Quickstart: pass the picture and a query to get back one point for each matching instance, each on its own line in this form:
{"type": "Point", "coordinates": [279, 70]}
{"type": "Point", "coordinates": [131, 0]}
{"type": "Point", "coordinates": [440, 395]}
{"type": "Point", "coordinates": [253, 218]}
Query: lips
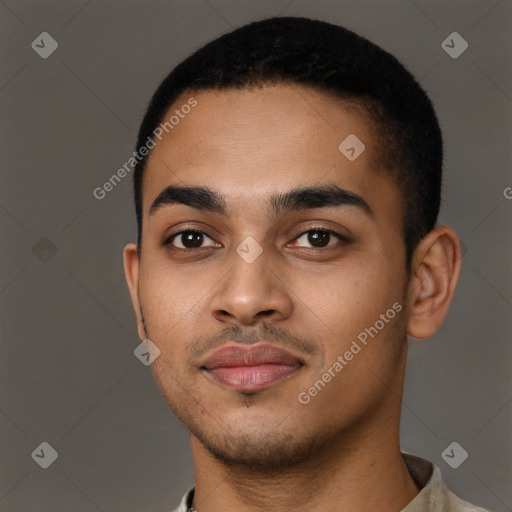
{"type": "Point", "coordinates": [250, 368]}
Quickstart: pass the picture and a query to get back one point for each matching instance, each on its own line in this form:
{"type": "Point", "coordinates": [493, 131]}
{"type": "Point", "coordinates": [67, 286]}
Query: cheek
{"type": "Point", "coordinates": [169, 300]}
{"type": "Point", "coordinates": [346, 299]}
{"type": "Point", "coordinates": [351, 313]}
{"type": "Point", "coordinates": [363, 354]}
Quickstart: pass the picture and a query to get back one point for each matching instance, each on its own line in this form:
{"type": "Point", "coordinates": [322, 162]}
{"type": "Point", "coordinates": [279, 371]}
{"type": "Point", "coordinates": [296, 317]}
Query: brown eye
{"type": "Point", "coordinates": [318, 238]}
{"type": "Point", "coordinates": [189, 239]}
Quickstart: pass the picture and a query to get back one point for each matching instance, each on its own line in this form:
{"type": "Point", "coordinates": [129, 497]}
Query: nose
{"type": "Point", "coordinates": [252, 291]}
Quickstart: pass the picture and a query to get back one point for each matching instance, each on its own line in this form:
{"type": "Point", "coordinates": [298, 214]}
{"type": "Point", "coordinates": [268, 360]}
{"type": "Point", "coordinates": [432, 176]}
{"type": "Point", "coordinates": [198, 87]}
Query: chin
{"type": "Point", "coordinates": [261, 452]}
{"type": "Point", "coordinates": [255, 442]}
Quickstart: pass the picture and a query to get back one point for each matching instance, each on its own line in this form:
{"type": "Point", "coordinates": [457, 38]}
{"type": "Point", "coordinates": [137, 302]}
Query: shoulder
{"type": "Point", "coordinates": [434, 495]}
{"type": "Point", "coordinates": [459, 505]}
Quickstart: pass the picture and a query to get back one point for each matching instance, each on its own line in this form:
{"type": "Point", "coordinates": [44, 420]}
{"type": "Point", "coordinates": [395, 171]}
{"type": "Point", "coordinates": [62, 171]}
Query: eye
{"type": "Point", "coordinates": [320, 237]}
{"type": "Point", "coordinates": [188, 239]}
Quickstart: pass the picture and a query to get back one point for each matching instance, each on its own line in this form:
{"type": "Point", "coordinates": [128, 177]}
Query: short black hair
{"type": "Point", "coordinates": [335, 60]}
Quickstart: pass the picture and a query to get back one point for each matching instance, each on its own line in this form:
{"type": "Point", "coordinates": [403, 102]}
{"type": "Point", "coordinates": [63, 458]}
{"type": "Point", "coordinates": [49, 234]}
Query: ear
{"type": "Point", "coordinates": [436, 266]}
{"type": "Point", "coordinates": [131, 270]}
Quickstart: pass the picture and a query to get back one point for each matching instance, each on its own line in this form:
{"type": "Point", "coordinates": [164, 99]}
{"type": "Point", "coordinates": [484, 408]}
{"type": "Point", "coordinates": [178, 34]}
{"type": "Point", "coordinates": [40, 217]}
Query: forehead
{"type": "Point", "coordinates": [252, 143]}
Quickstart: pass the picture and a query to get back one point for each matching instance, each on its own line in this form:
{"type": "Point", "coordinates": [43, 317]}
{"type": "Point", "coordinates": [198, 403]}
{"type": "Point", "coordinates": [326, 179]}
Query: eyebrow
{"type": "Point", "coordinates": [304, 198]}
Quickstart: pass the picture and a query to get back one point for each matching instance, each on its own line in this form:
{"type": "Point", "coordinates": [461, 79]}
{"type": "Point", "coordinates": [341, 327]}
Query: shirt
{"type": "Point", "coordinates": [433, 497]}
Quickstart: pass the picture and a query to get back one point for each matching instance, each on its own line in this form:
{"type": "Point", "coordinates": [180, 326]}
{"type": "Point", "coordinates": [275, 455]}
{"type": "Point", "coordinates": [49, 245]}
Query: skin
{"type": "Point", "coordinates": [266, 450]}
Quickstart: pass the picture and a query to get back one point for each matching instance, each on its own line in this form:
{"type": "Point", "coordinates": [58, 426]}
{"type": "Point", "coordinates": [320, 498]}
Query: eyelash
{"type": "Point", "coordinates": [343, 239]}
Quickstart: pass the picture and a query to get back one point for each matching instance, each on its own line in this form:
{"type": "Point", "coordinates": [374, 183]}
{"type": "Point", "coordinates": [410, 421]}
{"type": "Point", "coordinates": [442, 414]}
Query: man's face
{"type": "Point", "coordinates": [291, 285]}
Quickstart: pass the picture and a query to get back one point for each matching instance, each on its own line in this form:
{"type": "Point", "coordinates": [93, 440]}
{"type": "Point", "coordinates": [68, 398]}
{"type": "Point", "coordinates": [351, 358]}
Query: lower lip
{"type": "Point", "coordinates": [252, 378]}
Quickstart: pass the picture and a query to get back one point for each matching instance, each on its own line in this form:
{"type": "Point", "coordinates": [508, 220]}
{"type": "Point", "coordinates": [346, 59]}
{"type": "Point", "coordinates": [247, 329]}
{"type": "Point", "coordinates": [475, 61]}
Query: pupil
{"type": "Point", "coordinates": [321, 238]}
{"type": "Point", "coordinates": [192, 239]}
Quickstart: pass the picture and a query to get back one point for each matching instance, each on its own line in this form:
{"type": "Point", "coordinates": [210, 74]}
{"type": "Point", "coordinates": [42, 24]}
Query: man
{"type": "Point", "coordinates": [286, 197]}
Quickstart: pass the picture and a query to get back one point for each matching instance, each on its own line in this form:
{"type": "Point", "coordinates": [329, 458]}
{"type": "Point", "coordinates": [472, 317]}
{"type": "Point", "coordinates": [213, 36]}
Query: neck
{"type": "Point", "coordinates": [357, 471]}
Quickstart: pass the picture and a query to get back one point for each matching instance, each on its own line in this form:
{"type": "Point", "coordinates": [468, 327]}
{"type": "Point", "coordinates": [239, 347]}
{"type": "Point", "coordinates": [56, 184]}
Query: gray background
{"type": "Point", "coordinates": [68, 373]}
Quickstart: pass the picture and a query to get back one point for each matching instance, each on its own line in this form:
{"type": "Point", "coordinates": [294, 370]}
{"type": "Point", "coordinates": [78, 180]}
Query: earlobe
{"type": "Point", "coordinates": [436, 269]}
{"type": "Point", "coordinates": [131, 270]}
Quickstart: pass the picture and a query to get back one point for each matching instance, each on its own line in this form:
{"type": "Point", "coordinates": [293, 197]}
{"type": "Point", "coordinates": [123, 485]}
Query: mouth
{"type": "Point", "coordinates": [250, 368]}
